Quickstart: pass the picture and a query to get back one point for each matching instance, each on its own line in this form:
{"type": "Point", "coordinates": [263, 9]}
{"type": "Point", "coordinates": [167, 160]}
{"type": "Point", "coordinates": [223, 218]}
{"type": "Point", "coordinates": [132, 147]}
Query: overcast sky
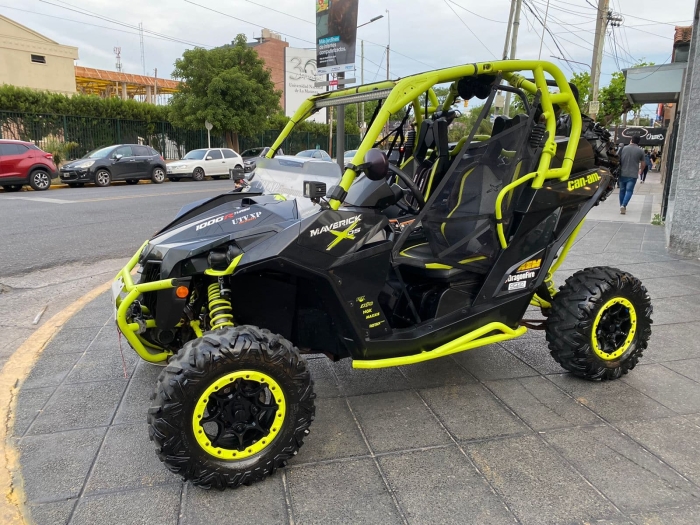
{"type": "Point", "coordinates": [427, 35]}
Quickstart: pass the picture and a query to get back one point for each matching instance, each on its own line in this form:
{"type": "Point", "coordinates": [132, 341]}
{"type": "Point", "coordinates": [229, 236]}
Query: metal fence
{"type": "Point", "coordinates": [85, 134]}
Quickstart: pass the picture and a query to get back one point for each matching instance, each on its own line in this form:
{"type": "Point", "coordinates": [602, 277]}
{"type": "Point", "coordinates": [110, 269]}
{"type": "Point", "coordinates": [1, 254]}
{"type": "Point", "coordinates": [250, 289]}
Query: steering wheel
{"type": "Point", "coordinates": [415, 191]}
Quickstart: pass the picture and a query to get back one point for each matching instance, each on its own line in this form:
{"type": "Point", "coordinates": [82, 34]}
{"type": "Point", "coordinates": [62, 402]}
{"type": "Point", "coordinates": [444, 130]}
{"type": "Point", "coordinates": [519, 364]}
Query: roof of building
{"type": "Point", "coordinates": [683, 35]}
{"type": "Point", "coordinates": [164, 85]}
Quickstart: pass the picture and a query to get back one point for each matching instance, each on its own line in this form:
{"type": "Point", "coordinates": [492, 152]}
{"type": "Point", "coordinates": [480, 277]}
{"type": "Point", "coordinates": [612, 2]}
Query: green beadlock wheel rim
{"type": "Point", "coordinates": [239, 415]}
{"type": "Point", "coordinates": [614, 328]}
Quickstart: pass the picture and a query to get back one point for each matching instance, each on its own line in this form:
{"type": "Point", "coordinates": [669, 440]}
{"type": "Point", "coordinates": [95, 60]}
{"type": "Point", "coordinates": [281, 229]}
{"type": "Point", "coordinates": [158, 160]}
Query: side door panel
{"type": "Point", "coordinates": [216, 165]}
{"type": "Point", "coordinates": [126, 167]}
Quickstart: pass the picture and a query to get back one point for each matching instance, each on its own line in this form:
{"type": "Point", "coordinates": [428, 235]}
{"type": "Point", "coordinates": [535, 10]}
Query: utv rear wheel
{"type": "Point", "coordinates": [600, 323]}
{"type": "Point", "coordinates": [231, 407]}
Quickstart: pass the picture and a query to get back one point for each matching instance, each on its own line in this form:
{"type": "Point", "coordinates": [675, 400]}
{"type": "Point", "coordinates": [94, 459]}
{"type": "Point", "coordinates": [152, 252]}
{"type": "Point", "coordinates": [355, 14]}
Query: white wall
{"type": "Point", "coordinates": [299, 78]}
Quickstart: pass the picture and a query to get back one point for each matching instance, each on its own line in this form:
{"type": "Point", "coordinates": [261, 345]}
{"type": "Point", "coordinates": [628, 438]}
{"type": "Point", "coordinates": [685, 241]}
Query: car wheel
{"type": "Point", "coordinates": [157, 175]}
{"type": "Point", "coordinates": [103, 178]}
{"type": "Point", "coordinates": [174, 179]}
{"type": "Point", "coordinates": [198, 174]}
{"type": "Point", "coordinates": [40, 180]}
{"type": "Point", "coordinates": [12, 188]}
{"type": "Point", "coordinates": [132, 181]}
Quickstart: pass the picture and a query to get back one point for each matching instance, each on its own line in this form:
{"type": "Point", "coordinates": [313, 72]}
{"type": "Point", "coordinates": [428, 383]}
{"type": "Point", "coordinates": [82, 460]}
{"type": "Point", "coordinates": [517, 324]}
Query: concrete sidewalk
{"type": "Point", "coordinates": [496, 435]}
{"type": "Point", "coordinates": [646, 201]}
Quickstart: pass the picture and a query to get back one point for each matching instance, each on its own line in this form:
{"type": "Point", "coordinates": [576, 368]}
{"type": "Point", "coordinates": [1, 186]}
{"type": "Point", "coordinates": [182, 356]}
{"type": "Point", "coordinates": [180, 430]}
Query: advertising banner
{"type": "Point", "coordinates": [299, 78]}
{"type": "Point", "coordinates": [336, 32]}
{"type": "Point", "coordinates": [647, 136]}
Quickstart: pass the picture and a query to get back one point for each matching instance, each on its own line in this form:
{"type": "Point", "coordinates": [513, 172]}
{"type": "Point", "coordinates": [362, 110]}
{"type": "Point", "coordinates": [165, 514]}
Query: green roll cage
{"type": "Point", "coordinates": [409, 90]}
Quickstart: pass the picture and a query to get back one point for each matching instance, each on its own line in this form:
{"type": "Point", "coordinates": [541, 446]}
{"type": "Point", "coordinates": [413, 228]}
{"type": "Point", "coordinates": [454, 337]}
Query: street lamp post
{"type": "Point", "coordinates": [340, 122]}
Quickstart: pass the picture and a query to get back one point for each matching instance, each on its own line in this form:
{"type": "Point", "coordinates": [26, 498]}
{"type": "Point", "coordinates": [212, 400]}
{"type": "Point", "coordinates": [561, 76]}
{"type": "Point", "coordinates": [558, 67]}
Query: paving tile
{"type": "Point", "coordinates": [471, 412]}
{"type": "Point", "coordinates": [672, 342]}
{"type": "Point", "coordinates": [259, 503]}
{"type": "Point", "coordinates": [57, 513]}
{"type": "Point", "coordinates": [70, 341]}
{"type": "Point", "coordinates": [355, 381]}
{"type": "Point", "coordinates": [397, 421]}
{"type": "Point", "coordinates": [541, 404]}
{"type": "Point", "coordinates": [673, 310]}
{"type": "Point", "coordinates": [29, 404]}
{"type": "Point", "coordinates": [50, 370]}
{"type": "Point", "coordinates": [689, 368]}
{"type": "Point", "coordinates": [682, 516]}
{"type": "Point", "coordinates": [432, 487]}
{"type": "Point", "coordinates": [325, 384]}
{"type": "Point", "coordinates": [137, 399]}
{"type": "Point", "coordinates": [79, 406]}
{"type": "Point", "coordinates": [127, 460]}
{"type": "Point", "coordinates": [538, 486]}
{"type": "Point", "coordinates": [334, 434]}
{"type": "Point", "coordinates": [90, 318]}
{"type": "Point", "coordinates": [669, 388]}
{"type": "Point", "coordinates": [628, 475]}
{"type": "Point", "coordinates": [108, 341]}
{"type": "Point", "coordinates": [436, 372]}
{"type": "Point", "coordinates": [675, 440]}
{"type": "Point", "coordinates": [613, 400]}
{"type": "Point", "coordinates": [535, 352]}
{"type": "Point", "coordinates": [663, 287]}
{"type": "Point", "coordinates": [54, 466]}
{"type": "Point", "coordinates": [318, 496]}
{"type": "Point", "coordinates": [150, 506]}
{"type": "Point", "coordinates": [102, 366]}
{"type": "Point", "coordinates": [493, 362]}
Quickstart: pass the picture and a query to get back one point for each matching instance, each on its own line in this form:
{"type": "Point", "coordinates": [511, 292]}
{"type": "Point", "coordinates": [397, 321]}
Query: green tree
{"type": "Point", "coordinates": [228, 86]}
{"type": "Point", "coordinates": [613, 101]}
{"type": "Point", "coordinates": [582, 81]}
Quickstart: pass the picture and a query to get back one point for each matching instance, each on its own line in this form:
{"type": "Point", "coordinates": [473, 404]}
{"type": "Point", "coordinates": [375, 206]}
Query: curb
{"type": "Point", "coordinates": [12, 376]}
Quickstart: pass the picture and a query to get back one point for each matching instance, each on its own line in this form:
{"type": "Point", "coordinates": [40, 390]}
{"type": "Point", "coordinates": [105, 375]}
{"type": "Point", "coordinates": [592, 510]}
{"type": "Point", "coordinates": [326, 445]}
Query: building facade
{"type": "Point", "coordinates": [29, 59]}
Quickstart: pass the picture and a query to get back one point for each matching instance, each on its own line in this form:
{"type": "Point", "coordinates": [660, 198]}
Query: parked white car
{"type": "Point", "coordinates": [200, 163]}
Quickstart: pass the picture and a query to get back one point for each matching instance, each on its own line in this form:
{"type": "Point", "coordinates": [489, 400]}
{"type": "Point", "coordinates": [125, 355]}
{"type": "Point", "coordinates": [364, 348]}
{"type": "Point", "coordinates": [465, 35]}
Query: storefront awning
{"type": "Point", "coordinates": [654, 84]}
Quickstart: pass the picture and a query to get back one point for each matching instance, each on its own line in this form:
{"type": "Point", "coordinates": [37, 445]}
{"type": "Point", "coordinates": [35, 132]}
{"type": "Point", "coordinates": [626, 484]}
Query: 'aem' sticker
{"type": "Point", "coordinates": [583, 181]}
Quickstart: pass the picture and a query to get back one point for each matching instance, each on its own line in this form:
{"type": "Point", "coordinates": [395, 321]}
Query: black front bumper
{"type": "Point", "coordinates": [76, 175]}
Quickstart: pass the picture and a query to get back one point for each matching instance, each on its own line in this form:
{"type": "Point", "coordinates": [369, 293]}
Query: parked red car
{"type": "Point", "coordinates": [23, 163]}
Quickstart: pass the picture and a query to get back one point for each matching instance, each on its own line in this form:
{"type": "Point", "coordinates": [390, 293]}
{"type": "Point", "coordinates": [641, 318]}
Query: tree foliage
{"type": "Point", "coordinates": [582, 81]}
{"type": "Point", "coordinates": [613, 101]}
{"type": "Point", "coordinates": [228, 86]}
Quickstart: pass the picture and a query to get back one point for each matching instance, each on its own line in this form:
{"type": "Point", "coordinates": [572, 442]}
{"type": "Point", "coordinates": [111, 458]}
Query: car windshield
{"type": "Point", "coordinates": [252, 152]}
{"type": "Point", "coordinates": [350, 154]}
{"type": "Point", "coordinates": [307, 153]}
{"type": "Point", "coordinates": [195, 154]}
{"type": "Point", "coordinates": [100, 153]}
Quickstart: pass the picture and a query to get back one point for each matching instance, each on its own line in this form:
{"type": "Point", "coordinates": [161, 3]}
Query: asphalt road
{"type": "Point", "coordinates": [52, 228]}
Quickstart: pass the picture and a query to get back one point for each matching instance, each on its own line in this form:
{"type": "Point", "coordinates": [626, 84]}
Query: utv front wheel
{"type": "Point", "coordinates": [231, 407]}
{"type": "Point", "coordinates": [600, 323]}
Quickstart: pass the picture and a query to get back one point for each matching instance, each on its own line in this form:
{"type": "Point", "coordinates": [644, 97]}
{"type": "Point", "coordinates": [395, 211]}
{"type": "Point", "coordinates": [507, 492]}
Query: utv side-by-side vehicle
{"type": "Point", "coordinates": [386, 264]}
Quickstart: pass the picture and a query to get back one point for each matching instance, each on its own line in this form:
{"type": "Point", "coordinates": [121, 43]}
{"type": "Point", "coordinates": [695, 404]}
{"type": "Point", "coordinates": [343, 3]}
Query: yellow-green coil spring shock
{"type": "Point", "coordinates": [220, 311]}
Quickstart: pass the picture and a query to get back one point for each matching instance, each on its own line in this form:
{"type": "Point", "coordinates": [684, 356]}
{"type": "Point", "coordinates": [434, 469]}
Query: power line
{"type": "Point", "coordinates": [477, 14]}
{"type": "Point", "coordinates": [469, 29]}
{"type": "Point", "coordinates": [268, 8]}
{"type": "Point", "coordinates": [535, 13]}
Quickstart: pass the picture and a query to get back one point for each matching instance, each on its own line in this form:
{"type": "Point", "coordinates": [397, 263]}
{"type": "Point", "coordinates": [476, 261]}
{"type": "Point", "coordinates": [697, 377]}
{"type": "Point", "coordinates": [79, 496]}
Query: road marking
{"type": "Point", "coordinates": [42, 199]}
{"type": "Point", "coordinates": [12, 376]}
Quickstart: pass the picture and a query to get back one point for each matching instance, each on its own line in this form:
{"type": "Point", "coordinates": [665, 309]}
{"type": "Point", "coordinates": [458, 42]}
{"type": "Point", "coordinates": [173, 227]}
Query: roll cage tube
{"type": "Point", "coordinates": [411, 89]}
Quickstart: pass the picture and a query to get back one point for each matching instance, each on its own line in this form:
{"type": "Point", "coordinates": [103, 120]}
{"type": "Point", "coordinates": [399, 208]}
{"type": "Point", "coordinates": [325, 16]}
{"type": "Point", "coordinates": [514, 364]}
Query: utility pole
{"type": "Point", "coordinates": [362, 83]}
{"type": "Point", "coordinates": [513, 47]}
{"type": "Point", "coordinates": [388, 45]}
{"type": "Point", "coordinates": [143, 54]}
{"type": "Point", "coordinates": [601, 26]}
{"type": "Point", "coordinates": [340, 129]}
{"type": "Point", "coordinates": [544, 28]}
{"type": "Point", "coordinates": [506, 44]}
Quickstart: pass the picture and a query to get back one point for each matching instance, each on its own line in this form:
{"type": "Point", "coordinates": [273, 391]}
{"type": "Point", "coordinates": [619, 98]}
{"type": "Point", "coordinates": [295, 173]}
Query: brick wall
{"type": "Point", "coordinates": [272, 52]}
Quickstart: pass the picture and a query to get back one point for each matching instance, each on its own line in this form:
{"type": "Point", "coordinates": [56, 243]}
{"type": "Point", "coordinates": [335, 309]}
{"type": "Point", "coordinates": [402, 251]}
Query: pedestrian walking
{"type": "Point", "coordinates": [647, 167]}
{"type": "Point", "coordinates": [632, 165]}
{"type": "Point", "coordinates": [653, 158]}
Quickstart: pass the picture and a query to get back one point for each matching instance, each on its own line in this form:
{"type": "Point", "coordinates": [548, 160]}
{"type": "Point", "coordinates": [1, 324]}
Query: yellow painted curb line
{"type": "Point", "coordinates": [12, 376]}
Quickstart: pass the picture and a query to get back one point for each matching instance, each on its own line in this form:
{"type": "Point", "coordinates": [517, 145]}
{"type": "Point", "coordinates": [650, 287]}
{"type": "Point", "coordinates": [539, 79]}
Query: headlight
{"type": "Point", "coordinates": [84, 164]}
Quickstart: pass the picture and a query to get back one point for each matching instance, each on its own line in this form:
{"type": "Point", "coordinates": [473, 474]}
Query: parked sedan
{"type": "Point", "coordinates": [315, 154]}
{"type": "Point", "coordinates": [23, 163]}
{"type": "Point", "coordinates": [200, 163]}
{"type": "Point", "coordinates": [251, 155]}
{"type": "Point", "coordinates": [127, 162]}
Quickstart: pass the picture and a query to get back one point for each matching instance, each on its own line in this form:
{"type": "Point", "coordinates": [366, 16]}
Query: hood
{"type": "Point", "coordinates": [243, 219]}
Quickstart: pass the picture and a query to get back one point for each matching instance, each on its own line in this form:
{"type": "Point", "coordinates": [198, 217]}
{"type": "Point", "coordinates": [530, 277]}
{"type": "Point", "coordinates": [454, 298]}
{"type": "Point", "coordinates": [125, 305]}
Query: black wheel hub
{"type": "Point", "coordinates": [239, 415]}
{"type": "Point", "coordinates": [613, 327]}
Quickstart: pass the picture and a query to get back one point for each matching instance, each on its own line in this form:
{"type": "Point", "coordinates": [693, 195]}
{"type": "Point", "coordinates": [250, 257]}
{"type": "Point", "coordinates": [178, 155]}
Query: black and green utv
{"type": "Point", "coordinates": [387, 264]}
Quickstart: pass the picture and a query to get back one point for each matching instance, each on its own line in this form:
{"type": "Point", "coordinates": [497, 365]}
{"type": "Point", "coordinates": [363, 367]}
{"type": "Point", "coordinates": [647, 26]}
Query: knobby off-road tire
{"type": "Point", "coordinates": [600, 323]}
{"type": "Point", "coordinates": [189, 380]}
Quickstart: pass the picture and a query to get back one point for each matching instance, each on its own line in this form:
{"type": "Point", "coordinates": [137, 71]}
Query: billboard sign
{"type": "Point", "coordinates": [299, 79]}
{"type": "Point", "coordinates": [336, 35]}
{"type": "Point", "coordinates": [647, 136]}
